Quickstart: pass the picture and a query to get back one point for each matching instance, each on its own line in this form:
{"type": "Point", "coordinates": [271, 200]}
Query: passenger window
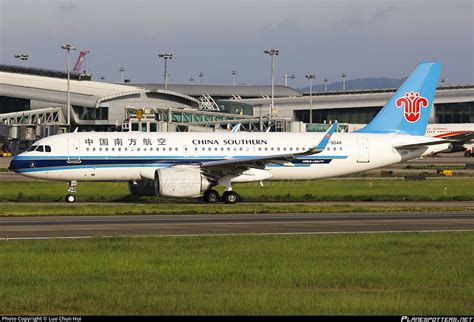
{"type": "Point", "coordinates": [39, 148]}
{"type": "Point", "coordinates": [87, 149]}
{"type": "Point", "coordinates": [93, 149]}
{"type": "Point", "coordinates": [176, 149]}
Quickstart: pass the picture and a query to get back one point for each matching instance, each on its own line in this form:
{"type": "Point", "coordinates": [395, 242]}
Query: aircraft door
{"type": "Point", "coordinates": [363, 150]}
{"type": "Point", "coordinates": [74, 155]}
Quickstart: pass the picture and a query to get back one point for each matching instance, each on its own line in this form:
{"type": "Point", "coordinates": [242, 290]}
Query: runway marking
{"type": "Point", "coordinates": [242, 234]}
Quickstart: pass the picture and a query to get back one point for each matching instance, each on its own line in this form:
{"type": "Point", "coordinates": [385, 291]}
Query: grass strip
{"type": "Point", "coordinates": [278, 191]}
{"type": "Point", "coordinates": [351, 274]}
{"type": "Point", "coordinates": [199, 209]}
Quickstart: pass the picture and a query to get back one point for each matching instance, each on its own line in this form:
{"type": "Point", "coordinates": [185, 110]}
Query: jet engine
{"type": "Point", "coordinates": [180, 182]}
{"type": "Point", "coordinates": [171, 182]}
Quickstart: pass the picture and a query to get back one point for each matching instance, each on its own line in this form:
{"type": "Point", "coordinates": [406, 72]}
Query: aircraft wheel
{"type": "Point", "coordinates": [70, 198]}
{"type": "Point", "coordinates": [229, 197]}
{"type": "Point", "coordinates": [211, 196]}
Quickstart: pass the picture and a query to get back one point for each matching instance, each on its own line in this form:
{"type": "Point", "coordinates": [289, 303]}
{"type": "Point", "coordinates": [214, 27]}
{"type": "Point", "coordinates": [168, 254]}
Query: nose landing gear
{"type": "Point", "coordinates": [71, 197]}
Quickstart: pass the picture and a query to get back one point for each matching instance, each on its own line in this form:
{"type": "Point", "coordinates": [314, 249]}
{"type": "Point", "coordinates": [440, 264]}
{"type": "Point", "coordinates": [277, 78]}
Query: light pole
{"type": "Point", "coordinates": [233, 77]}
{"type": "Point", "coordinates": [343, 82]}
{"type": "Point", "coordinates": [310, 77]}
{"type": "Point", "coordinates": [286, 79]}
{"type": "Point", "coordinates": [68, 48]}
{"type": "Point", "coordinates": [22, 58]}
{"type": "Point", "coordinates": [272, 52]}
{"type": "Point", "coordinates": [166, 56]}
{"type": "Point", "coordinates": [292, 77]}
{"type": "Point", "coordinates": [200, 78]}
{"type": "Point", "coordinates": [326, 85]}
{"type": "Point", "coordinates": [121, 70]}
{"type": "Point", "coordinates": [191, 80]}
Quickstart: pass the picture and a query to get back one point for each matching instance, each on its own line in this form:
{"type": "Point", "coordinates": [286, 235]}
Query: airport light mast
{"type": "Point", "coordinates": [310, 77]}
{"type": "Point", "coordinates": [233, 77]}
{"type": "Point", "coordinates": [121, 70]}
{"type": "Point", "coordinates": [68, 49]}
{"type": "Point", "coordinates": [272, 52]}
{"type": "Point", "coordinates": [326, 85]}
{"type": "Point", "coordinates": [200, 78]}
{"type": "Point", "coordinates": [166, 56]}
{"type": "Point", "coordinates": [22, 58]}
{"type": "Point", "coordinates": [343, 82]}
{"type": "Point", "coordinates": [292, 77]}
{"type": "Point", "coordinates": [286, 79]}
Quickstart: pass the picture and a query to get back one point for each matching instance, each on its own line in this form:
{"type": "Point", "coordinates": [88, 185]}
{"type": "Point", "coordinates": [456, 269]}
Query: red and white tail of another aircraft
{"type": "Point", "coordinates": [455, 131]}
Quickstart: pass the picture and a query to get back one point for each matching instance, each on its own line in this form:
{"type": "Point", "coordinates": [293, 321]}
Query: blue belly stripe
{"type": "Point", "coordinates": [35, 164]}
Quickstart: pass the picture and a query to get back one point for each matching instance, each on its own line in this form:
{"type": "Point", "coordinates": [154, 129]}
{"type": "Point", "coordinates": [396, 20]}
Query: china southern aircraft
{"type": "Point", "coordinates": [191, 164]}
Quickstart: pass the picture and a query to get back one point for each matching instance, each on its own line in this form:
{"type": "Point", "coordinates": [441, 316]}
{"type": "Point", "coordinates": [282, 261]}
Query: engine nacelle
{"type": "Point", "coordinates": [180, 182]}
{"type": "Point", "coordinates": [142, 188]}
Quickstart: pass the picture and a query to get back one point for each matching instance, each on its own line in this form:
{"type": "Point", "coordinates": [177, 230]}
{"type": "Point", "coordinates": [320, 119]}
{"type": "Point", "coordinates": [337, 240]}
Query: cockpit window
{"type": "Point", "coordinates": [31, 148]}
{"type": "Point", "coordinates": [39, 148]}
{"type": "Point", "coordinates": [47, 148]}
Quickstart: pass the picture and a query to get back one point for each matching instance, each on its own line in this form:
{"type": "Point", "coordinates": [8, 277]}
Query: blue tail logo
{"type": "Point", "coordinates": [408, 111]}
{"type": "Point", "coordinates": [412, 102]}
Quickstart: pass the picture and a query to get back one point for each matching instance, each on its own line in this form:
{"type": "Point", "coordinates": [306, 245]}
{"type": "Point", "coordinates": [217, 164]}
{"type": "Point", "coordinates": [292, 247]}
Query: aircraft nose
{"type": "Point", "coordinates": [14, 164]}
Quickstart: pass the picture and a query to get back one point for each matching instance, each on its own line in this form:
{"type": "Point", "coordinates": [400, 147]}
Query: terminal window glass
{"type": "Point", "coordinates": [454, 112]}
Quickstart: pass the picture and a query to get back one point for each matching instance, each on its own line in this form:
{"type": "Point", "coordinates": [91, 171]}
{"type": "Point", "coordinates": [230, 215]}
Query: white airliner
{"type": "Point", "coordinates": [191, 164]}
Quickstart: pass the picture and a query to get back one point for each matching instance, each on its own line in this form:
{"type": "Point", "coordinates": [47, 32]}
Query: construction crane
{"type": "Point", "coordinates": [82, 55]}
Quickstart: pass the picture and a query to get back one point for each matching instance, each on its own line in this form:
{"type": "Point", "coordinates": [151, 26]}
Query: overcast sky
{"type": "Point", "coordinates": [376, 38]}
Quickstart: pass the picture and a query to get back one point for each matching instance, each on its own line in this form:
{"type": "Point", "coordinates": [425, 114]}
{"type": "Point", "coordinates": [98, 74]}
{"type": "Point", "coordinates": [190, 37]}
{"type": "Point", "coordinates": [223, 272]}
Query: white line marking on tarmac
{"type": "Point", "coordinates": [241, 234]}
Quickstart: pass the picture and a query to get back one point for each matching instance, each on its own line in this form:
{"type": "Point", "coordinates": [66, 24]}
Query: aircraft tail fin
{"type": "Point", "coordinates": [408, 111]}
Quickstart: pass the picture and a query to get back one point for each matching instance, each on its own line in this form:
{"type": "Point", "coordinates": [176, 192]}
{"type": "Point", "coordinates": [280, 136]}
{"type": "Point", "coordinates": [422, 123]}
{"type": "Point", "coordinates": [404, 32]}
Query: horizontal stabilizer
{"type": "Point", "coordinates": [423, 144]}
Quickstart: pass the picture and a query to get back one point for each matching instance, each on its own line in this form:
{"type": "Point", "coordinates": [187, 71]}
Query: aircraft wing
{"type": "Point", "coordinates": [260, 161]}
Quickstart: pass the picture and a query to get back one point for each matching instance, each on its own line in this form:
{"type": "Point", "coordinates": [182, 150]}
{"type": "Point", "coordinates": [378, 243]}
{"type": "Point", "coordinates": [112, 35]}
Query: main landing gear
{"type": "Point", "coordinates": [229, 197]}
{"type": "Point", "coordinates": [71, 197]}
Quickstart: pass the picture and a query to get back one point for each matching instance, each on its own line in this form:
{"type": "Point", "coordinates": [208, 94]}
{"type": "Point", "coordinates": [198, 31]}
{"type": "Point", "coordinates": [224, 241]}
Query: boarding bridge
{"type": "Point", "coordinates": [50, 115]}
